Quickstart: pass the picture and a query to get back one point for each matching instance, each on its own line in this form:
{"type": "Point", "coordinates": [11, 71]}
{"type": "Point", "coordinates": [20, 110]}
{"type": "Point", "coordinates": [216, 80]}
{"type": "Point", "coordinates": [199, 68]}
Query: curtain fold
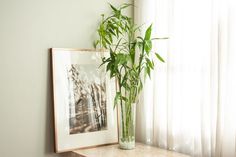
{"type": "Point", "coordinates": [189, 105]}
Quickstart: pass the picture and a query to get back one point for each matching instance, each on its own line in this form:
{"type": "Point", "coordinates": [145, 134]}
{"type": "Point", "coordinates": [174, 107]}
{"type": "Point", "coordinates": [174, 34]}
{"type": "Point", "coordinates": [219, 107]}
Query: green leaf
{"type": "Point", "coordinates": [140, 38]}
{"type": "Point", "coordinates": [104, 61]}
{"type": "Point", "coordinates": [122, 59]}
{"type": "Point", "coordinates": [104, 44]}
{"type": "Point", "coordinates": [110, 38]}
{"type": "Point", "coordinates": [117, 32]}
{"type": "Point", "coordinates": [107, 41]}
{"type": "Point", "coordinates": [125, 5]}
{"type": "Point", "coordinates": [117, 98]}
{"type": "Point", "coordinates": [112, 32]}
{"type": "Point", "coordinates": [160, 38]}
{"type": "Point", "coordinates": [95, 43]}
{"type": "Point", "coordinates": [124, 98]}
{"type": "Point", "coordinates": [149, 72]}
{"type": "Point", "coordinates": [148, 46]}
{"type": "Point", "coordinates": [140, 86]}
{"type": "Point", "coordinates": [148, 33]}
{"type": "Point", "coordinates": [132, 53]}
{"type": "Point", "coordinates": [126, 86]}
{"type": "Point", "coordinates": [124, 80]}
{"type": "Point", "coordinates": [159, 57]}
{"type": "Point", "coordinates": [137, 28]}
{"type": "Point", "coordinates": [140, 45]}
{"type": "Point", "coordinates": [118, 44]}
{"type": "Point", "coordinates": [113, 8]}
{"type": "Point", "coordinates": [150, 64]}
{"type": "Point", "coordinates": [112, 72]}
{"type": "Point", "coordinates": [109, 65]}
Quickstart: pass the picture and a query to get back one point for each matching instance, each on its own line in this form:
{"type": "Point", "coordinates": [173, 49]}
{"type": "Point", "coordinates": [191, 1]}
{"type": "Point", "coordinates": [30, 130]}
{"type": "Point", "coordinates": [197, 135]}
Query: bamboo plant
{"type": "Point", "coordinates": [129, 62]}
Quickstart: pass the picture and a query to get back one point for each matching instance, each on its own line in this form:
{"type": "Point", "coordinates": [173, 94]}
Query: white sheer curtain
{"type": "Point", "coordinates": [190, 104]}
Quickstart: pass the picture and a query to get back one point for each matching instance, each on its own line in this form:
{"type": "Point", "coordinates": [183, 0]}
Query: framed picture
{"type": "Point", "coordinates": [83, 100]}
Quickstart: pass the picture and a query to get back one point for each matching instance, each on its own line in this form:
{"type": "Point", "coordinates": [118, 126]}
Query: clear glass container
{"type": "Point", "coordinates": [127, 125]}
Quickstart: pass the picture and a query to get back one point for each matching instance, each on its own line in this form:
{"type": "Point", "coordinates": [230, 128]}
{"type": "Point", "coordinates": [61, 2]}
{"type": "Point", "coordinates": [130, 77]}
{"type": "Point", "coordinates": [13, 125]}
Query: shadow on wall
{"type": "Point", "coordinates": [49, 128]}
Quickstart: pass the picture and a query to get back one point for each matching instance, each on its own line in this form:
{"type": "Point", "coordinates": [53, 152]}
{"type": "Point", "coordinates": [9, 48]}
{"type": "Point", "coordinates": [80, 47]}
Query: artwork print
{"type": "Point", "coordinates": [87, 98]}
{"type": "Point", "coordinates": [83, 98]}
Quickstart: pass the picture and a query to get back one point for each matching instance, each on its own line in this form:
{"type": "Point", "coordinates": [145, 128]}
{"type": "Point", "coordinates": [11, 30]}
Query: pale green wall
{"type": "Point", "coordinates": [28, 28]}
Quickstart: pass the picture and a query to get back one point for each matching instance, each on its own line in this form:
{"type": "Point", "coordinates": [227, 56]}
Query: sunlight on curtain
{"type": "Point", "coordinates": [190, 103]}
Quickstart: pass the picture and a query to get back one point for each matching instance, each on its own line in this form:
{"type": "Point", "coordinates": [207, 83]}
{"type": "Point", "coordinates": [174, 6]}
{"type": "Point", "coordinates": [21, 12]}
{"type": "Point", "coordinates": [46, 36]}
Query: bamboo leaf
{"type": "Point", "coordinates": [140, 87]}
{"type": "Point", "coordinates": [140, 45]}
{"type": "Point", "coordinates": [95, 43]}
{"type": "Point", "coordinates": [148, 33]}
{"type": "Point", "coordinates": [159, 57]}
{"type": "Point", "coordinates": [132, 53]}
{"type": "Point", "coordinates": [104, 44]}
{"type": "Point", "coordinates": [160, 38]}
{"type": "Point", "coordinates": [124, 98]}
{"type": "Point", "coordinates": [149, 72]}
{"type": "Point", "coordinates": [107, 41]}
{"type": "Point", "coordinates": [149, 63]}
{"type": "Point", "coordinates": [110, 38]}
{"type": "Point", "coordinates": [112, 32]}
{"type": "Point", "coordinates": [125, 5]}
{"type": "Point", "coordinates": [108, 66]}
{"type": "Point", "coordinates": [148, 46]}
{"type": "Point", "coordinates": [140, 38]}
{"type": "Point", "coordinates": [117, 98]}
{"type": "Point", "coordinates": [113, 8]}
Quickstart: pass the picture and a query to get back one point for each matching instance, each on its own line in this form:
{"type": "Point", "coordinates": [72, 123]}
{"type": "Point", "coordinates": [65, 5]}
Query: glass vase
{"type": "Point", "coordinates": [127, 125]}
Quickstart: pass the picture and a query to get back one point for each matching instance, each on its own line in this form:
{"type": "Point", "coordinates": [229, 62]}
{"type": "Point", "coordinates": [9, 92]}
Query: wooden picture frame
{"type": "Point", "coordinates": [83, 97]}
